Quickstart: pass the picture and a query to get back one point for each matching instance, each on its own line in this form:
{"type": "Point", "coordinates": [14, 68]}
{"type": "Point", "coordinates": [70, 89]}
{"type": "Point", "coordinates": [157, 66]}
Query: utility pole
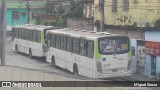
{"type": "Point", "coordinates": [28, 10]}
{"type": "Point", "coordinates": [3, 30]}
{"type": "Point", "coordinates": [101, 6]}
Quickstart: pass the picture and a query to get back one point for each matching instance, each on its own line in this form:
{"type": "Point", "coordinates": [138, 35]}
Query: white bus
{"type": "Point", "coordinates": [90, 54]}
{"type": "Point", "coordinates": [30, 39]}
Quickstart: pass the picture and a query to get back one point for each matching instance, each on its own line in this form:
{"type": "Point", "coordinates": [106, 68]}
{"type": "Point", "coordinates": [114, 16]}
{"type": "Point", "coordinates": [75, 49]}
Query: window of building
{"type": "Point", "coordinates": [114, 6]}
{"type": "Point", "coordinates": [15, 15]}
{"type": "Point", "coordinates": [125, 5]}
{"type": "Point", "coordinates": [135, 1]}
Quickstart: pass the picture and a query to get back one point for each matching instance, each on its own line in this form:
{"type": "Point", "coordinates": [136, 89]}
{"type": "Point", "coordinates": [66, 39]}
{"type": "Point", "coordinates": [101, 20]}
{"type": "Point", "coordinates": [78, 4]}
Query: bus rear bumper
{"type": "Point", "coordinates": [122, 74]}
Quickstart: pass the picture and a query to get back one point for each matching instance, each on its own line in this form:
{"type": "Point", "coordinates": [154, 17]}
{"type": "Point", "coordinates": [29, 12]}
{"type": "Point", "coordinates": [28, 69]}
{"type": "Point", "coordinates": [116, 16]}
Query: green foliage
{"type": "Point", "coordinates": [45, 23]}
{"type": "Point", "coordinates": [52, 23]}
{"type": "Point", "coordinates": [76, 10]}
{"type": "Point", "coordinates": [38, 21]}
{"type": "Point", "coordinates": [58, 23]}
{"type": "Point", "coordinates": [61, 10]}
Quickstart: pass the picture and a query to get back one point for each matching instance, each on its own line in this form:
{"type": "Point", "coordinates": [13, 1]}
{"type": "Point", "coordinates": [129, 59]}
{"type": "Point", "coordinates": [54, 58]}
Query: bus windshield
{"type": "Point", "coordinates": [111, 45]}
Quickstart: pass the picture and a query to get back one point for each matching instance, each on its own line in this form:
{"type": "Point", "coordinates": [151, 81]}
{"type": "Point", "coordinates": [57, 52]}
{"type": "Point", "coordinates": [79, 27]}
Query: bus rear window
{"type": "Point", "coordinates": [111, 45]}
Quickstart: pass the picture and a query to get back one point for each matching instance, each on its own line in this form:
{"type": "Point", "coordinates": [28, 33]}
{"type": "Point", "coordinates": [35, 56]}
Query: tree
{"type": "Point", "coordinates": [60, 10]}
{"type": "Point", "coordinates": [76, 9]}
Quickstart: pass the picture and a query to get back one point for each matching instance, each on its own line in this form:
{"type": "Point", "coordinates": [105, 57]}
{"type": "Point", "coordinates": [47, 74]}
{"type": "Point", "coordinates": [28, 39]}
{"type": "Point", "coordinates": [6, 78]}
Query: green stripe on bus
{"type": "Point", "coordinates": [130, 54]}
{"type": "Point", "coordinates": [42, 37]}
{"type": "Point", "coordinates": [130, 51]}
{"type": "Point", "coordinates": [97, 56]}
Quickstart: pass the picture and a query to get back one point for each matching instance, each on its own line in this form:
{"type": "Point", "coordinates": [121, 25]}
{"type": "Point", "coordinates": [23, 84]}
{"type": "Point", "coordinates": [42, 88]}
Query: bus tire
{"type": "Point", "coordinates": [30, 54]}
{"type": "Point", "coordinates": [54, 62]}
{"type": "Point", "coordinates": [75, 70]}
{"type": "Point", "coordinates": [16, 48]}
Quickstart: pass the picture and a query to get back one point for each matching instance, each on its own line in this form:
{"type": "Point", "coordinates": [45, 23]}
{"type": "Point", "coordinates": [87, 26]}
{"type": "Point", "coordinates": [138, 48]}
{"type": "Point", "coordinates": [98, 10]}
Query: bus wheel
{"type": "Point", "coordinates": [30, 54]}
{"type": "Point", "coordinates": [75, 70]}
{"type": "Point", "coordinates": [16, 48]}
{"type": "Point", "coordinates": [54, 62]}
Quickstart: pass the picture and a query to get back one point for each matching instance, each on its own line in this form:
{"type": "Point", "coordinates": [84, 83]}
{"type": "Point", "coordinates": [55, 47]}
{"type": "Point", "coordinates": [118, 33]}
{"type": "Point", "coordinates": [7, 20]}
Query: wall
{"type": "Point", "coordinates": [11, 22]}
{"type": "Point", "coordinates": [135, 34]}
{"type": "Point", "coordinates": [152, 35]}
{"type": "Point", "coordinates": [141, 13]}
{"type": "Point", "coordinates": [134, 55]}
{"type": "Point", "coordinates": [88, 10]}
{"type": "Point", "coordinates": [80, 24]}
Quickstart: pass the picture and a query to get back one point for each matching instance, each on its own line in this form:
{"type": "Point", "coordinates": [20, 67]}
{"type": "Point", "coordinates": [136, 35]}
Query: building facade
{"type": "Point", "coordinates": [137, 13]}
{"type": "Point", "coordinates": [17, 12]}
{"type": "Point", "coordinates": [140, 20]}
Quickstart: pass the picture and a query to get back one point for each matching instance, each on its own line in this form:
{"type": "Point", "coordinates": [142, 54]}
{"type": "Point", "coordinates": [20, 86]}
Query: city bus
{"type": "Point", "coordinates": [88, 53]}
{"type": "Point", "coordinates": [30, 39]}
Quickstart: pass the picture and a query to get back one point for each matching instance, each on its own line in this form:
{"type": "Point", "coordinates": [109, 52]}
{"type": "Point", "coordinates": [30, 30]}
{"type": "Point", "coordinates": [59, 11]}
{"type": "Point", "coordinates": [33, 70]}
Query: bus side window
{"type": "Point", "coordinates": [65, 43]}
{"type": "Point", "coordinates": [74, 45]}
{"type": "Point", "coordinates": [83, 47]}
{"type": "Point", "coordinates": [57, 41]}
{"type": "Point", "coordinates": [26, 34]}
{"type": "Point", "coordinates": [30, 35]}
{"type": "Point", "coordinates": [20, 33]}
{"type": "Point", "coordinates": [69, 44]}
{"type": "Point", "coordinates": [53, 41]}
{"type": "Point", "coordinates": [77, 46]}
{"type": "Point", "coordinates": [35, 36]}
{"type": "Point", "coordinates": [54, 38]}
{"type": "Point", "coordinates": [90, 49]}
{"type": "Point", "coordinates": [39, 36]}
{"type": "Point", "coordinates": [62, 42]}
{"type": "Point", "coordinates": [16, 33]}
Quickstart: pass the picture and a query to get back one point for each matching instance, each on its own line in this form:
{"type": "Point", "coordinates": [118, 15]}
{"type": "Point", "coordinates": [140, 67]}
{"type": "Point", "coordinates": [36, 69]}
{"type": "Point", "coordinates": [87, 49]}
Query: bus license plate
{"type": "Point", "coordinates": [115, 70]}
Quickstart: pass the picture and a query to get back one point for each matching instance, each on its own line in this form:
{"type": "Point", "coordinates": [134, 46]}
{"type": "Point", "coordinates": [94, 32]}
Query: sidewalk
{"type": "Point", "coordinates": [136, 77]}
{"type": "Point", "coordinates": [20, 74]}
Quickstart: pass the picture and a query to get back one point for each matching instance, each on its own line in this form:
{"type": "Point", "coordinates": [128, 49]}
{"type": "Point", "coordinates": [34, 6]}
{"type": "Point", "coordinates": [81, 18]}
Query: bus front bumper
{"type": "Point", "coordinates": [121, 74]}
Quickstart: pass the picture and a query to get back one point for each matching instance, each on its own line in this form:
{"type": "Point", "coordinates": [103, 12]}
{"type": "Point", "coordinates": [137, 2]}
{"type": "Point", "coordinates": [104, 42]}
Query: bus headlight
{"type": "Point", "coordinates": [99, 67]}
{"type": "Point", "coordinates": [129, 65]}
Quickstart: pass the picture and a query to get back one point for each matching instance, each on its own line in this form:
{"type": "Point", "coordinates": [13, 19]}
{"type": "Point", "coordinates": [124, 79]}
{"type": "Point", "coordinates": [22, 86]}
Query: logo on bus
{"type": "Point", "coordinates": [121, 59]}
